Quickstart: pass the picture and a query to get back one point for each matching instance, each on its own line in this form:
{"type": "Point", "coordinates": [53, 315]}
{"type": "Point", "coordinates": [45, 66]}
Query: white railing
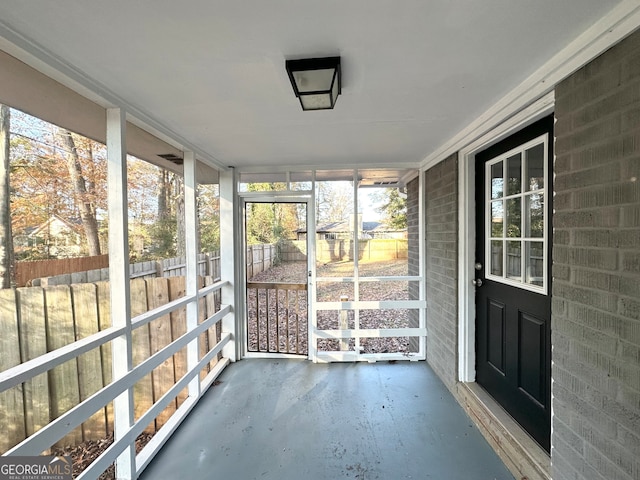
{"type": "Point", "coordinates": [61, 426]}
{"type": "Point", "coordinates": [341, 334]}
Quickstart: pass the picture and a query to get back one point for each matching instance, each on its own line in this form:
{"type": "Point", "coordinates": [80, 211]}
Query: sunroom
{"type": "Point", "coordinates": [510, 135]}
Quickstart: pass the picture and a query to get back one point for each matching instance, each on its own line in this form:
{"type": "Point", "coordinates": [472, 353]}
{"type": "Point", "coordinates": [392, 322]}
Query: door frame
{"type": "Point", "coordinates": [467, 227]}
{"type": "Point", "coordinates": [274, 197]}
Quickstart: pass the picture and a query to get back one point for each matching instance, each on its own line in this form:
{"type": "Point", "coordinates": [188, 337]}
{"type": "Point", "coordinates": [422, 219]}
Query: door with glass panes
{"type": "Point", "coordinates": [513, 276]}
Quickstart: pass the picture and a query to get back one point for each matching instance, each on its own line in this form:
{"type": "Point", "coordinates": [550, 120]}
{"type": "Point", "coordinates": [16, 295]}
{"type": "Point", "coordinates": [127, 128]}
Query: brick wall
{"type": "Point", "coordinates": [441, 225]}
{"type": "Point", "coordinates": [596, 265]}
{"type": "Point", "coordinates": [413, 226]}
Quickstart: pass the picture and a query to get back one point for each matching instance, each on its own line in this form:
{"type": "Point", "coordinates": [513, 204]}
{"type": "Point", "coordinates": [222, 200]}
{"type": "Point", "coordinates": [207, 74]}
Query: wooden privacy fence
{"type": "Point", "coordinates": [534, 264]}
{"type": "Point", "coordinates": [208, 265]}
{"type": "Point", "coordinates": [26, 271]}
{"type": "Point", "coordinates": [260, 258]}
{"type": "Point", "coordinates": [37, 320]}
{"type": "Point", "coordinates": [338, 250]}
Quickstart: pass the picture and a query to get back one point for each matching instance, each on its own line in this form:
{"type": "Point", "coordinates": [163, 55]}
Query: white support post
{"type": "Point", "coordinates": [122, 357]}
{"type": "Point", "coordinates": [312, 239]}
{"type": "Point", "coordinates": [356, 262]}
{"type": "Point", "coordinates": [230, 244]}
{"type": "Point", "coordinates": [191, 254]}
{"type": "Point", "coordinates": [422, 269]}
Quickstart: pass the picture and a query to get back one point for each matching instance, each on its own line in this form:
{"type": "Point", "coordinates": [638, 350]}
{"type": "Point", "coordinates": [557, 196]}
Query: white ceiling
{"type": "Point", "coordinates": [415, 72]}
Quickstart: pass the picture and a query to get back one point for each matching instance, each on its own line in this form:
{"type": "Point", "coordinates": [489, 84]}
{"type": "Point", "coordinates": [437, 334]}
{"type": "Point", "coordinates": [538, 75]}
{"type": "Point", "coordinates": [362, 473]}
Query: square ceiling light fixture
{"type": "Point", "coordinates": [315, 81]}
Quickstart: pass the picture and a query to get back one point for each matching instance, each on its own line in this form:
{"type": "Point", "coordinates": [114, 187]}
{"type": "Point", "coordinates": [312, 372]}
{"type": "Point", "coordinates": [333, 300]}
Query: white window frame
{"type": "Point", "coordinates": [544, 140]}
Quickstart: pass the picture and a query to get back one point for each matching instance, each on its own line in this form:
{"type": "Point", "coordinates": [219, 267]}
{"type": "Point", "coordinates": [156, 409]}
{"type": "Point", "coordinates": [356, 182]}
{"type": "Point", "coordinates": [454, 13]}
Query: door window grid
{"type": "Point", "coordinates": [516, 216]}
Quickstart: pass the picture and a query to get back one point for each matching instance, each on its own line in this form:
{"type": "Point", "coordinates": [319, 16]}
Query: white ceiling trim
{"type": "Point", "coordinates": [308, 168]}
{"type": "Point", "coordinates": [43, 60]}
{"type": "Point", "coordinates": [609, 30]}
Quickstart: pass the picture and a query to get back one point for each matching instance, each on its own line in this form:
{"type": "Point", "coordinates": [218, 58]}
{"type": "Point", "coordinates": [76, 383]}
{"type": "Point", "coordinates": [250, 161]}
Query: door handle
{"type": "Point", "coordinates": [477, 282]}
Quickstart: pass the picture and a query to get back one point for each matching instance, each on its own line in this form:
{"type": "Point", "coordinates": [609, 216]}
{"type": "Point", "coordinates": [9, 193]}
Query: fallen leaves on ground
{"type": "Point", "coordinates": [289, 333]}
{"type": "Point", "coordinates": [84, 454]}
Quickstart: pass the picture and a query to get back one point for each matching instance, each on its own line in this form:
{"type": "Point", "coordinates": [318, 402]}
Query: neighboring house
{"type": "Point", "coordinates": [57, 237]}
{"type": "Point", "coordinates": [344, 230]}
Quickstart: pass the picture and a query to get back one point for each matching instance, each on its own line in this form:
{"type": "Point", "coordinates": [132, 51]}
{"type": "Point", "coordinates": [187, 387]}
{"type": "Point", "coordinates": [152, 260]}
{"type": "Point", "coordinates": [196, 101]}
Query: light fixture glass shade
{"type": "Point", "coordinates": [320, 101]}
{"type": "Point", "coordinates": [315, 81]}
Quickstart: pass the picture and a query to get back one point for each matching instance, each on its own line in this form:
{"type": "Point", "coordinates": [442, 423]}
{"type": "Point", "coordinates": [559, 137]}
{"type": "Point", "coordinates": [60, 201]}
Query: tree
{"type": "Point", "coordinates": [6, 238]}
{"type": "Point", "coordinates": [334, 201]}
{"type": "Point", "coordinates": [156, 211]}
{"type": "Point", "coordinates": [181, 230]}
{"type": "Point", "coordinates": [393, 207]}
{"type": "Point", "coordinates": [82, 200]}
{"type": "Point", "coordinates": [167, 232]}
{"type": "Point", "coordinates": [143, 197]}
{"type": "Point", "coordinates": [270, 222]}
{"type": "Point", "coordinates": [55, 173]}
{"type": "Point", "coordinates": [209, 216]}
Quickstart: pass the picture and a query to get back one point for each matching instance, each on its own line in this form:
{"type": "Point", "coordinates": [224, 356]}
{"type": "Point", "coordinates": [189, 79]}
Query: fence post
{"type": "Point", "coordinates": [159, 269]}
{"type": "Point", "coordinates": [85, 318]}
{"type": "Point", "coordinates": [12, 424]}
{"type": "Point", "coordinates": [33, 343]}
{"type": "Point", "coordinates": [344, 324]}
{"type": "Point", "coordinates": [63, 379]}
{"type": "Point", "coordinates": [264, 258]}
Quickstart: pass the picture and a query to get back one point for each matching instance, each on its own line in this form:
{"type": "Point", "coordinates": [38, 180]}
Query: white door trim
{"type": "Point", "coordinates": [467, 230]}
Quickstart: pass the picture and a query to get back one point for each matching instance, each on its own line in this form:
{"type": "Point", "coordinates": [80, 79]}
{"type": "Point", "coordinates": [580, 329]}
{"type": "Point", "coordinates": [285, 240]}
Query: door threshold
{"type": "Point", "coordinates": [293, 356]}
{"type": "Point", "coordinates": [351, 356]}
{"type": "Point", "coordinates": [520, 453]}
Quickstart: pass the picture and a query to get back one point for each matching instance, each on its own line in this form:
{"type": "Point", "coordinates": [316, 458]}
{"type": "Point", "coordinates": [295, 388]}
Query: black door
{"type": "Point", "coordinates": [513, 299]}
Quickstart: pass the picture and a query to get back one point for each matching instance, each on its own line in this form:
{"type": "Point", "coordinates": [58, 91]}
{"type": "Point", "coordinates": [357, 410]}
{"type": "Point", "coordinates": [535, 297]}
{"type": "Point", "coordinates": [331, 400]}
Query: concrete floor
{"type": "Point", "coordinates": [292, 419]}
